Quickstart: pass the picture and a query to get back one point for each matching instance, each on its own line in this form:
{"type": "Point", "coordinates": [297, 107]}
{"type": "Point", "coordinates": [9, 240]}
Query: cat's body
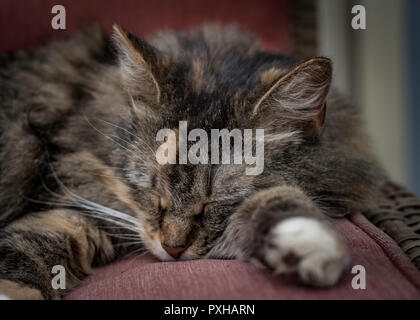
{"type": "Point", "coordinates": [80, 185]}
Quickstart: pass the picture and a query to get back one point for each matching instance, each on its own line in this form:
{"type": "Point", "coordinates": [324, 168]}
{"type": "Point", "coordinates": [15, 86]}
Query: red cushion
{"type": "Point", "coordinates": [389, 275]}
{"type": "Point", "coordinates": [24, 24]}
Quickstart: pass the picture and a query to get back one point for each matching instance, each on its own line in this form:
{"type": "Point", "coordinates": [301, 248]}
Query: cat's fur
{"type": "Point", "coordinates": [80, 185]}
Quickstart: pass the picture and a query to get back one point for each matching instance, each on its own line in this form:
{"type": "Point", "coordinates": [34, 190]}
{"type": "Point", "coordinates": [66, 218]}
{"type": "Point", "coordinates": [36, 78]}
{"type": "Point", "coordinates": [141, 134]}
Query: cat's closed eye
{"type": "Point", "coordinates": [202, 210]}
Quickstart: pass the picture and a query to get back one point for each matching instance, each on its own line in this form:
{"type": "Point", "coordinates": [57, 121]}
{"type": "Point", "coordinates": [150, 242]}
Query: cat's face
{"type": "Point", "coordinates": [189, 208]}
{"type": "Point", "coordinates": [186, 207]}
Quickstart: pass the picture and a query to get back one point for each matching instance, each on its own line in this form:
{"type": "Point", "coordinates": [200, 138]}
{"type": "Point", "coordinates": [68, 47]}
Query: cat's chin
{"type": "Point", "coordinates": [162, 255]}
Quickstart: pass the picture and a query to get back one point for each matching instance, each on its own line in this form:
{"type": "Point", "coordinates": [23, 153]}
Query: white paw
{"type": "Point", "coordinates": [306, 247]}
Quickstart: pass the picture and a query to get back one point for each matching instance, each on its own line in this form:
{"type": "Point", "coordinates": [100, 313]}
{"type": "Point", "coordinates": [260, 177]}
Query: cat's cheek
{"type": "Point", "coordinates": [306, 247]}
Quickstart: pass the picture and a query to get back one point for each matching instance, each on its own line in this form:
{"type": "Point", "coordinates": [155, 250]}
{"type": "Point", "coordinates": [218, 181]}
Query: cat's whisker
{"type": "Point", "coordinates": [107, 216]}
{"type": "Point", "coordinates": [89, 212]}
{"type": "Point", "coordinates": [108, 137]}
{"type": "Point", "coordinates": [112, 221]}
{"type": "Point", "coordinates": [128, 243]}
{"type": "Point", "coordinates": [130, 146]}
{"type": "Point", "coordinates": [134, 254]}
{"type": "Point", "coordinates": [134, 237]}
{"type": "Point", "coordinates": [96, 210]}
{"type": "Point", "coordinates": [134, 147]}
{"type": "Point", "coordinates": [130, 133]}
{"type": "Point", "coordinates": [54, 194]}
{"type": "Point", "coordinates": [49, 203]}
{"type": "Point", "coordinates": [114, 227]}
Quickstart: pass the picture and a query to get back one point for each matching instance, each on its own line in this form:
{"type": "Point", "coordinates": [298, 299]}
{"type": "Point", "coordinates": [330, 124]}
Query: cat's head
{"type": "Point", "coordinates": [186, 207]}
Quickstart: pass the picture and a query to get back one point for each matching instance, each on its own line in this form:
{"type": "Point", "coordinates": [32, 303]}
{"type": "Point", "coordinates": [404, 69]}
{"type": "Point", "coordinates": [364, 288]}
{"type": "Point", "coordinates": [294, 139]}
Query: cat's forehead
{"type": "Point", "coordinates": [184, 183]}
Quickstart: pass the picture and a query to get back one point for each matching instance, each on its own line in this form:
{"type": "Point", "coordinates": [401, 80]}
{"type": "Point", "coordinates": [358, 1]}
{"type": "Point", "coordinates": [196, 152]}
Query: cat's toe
{"type": "Point", "coordinates": [306, 247]}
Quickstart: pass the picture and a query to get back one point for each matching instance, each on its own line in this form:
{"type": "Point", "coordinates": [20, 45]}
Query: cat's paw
{"type": "Point", "coordinates": [306, 247]}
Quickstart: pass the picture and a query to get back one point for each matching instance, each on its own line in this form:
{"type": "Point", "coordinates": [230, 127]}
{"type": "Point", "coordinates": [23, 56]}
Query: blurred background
{"type": "Point", "coordinates": [378, 68]}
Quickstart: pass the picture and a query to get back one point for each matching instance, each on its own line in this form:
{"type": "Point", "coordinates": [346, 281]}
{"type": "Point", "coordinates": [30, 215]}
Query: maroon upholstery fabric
{"type": "Point", "coordinates": [389, 275]}
{"type": "Point", "coordinates": [25, 23]}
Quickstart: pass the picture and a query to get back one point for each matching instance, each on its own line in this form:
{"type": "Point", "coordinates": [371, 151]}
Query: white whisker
{"type": "Point", "coordinates": [130, 133]}
{"type": "Point", "coordinates": [108, 137]}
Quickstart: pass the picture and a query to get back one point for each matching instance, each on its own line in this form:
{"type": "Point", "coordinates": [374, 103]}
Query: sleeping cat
{"type": "Point", "coordinates": [80, 185]}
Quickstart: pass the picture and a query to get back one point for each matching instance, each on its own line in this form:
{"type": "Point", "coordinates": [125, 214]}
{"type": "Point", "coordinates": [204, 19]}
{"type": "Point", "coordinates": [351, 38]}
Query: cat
{"type": "Point", "coordinates": [80, 186]}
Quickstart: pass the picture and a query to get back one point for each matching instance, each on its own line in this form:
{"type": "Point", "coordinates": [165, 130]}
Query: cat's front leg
{"type": "Point", "coordinates": [33, 245]}
{"type": "Point", "coordinates": [281, 228]}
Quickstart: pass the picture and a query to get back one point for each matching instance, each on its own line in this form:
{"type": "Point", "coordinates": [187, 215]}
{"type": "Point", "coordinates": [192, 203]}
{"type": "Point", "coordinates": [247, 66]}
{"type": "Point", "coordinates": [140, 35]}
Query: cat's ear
{"type": "Point", "coordinates": [139, 63]}
{"type": "Point", "coordinates": [295, 99]}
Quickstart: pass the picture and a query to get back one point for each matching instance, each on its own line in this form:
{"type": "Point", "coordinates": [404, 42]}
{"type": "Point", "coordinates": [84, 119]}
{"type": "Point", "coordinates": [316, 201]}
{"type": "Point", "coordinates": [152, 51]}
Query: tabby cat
{"type": "Point", "coordinates": [80, 185]}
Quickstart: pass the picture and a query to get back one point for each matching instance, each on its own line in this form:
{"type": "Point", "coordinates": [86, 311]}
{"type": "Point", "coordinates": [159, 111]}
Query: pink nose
{"type": "Point", "coordinates": [173, 252]}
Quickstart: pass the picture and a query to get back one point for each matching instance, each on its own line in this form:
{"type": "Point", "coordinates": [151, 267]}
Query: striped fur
{"type": "Point", "coordinates": [79, 182]}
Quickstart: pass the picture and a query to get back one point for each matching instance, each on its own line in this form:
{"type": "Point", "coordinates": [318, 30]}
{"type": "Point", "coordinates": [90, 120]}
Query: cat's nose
{"type": "Point", "coordinates": [174, 252]}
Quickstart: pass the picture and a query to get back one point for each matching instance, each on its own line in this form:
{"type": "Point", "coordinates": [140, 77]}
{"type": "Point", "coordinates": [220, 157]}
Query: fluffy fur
{"type": "Point", "coordinates": [80, 185]}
